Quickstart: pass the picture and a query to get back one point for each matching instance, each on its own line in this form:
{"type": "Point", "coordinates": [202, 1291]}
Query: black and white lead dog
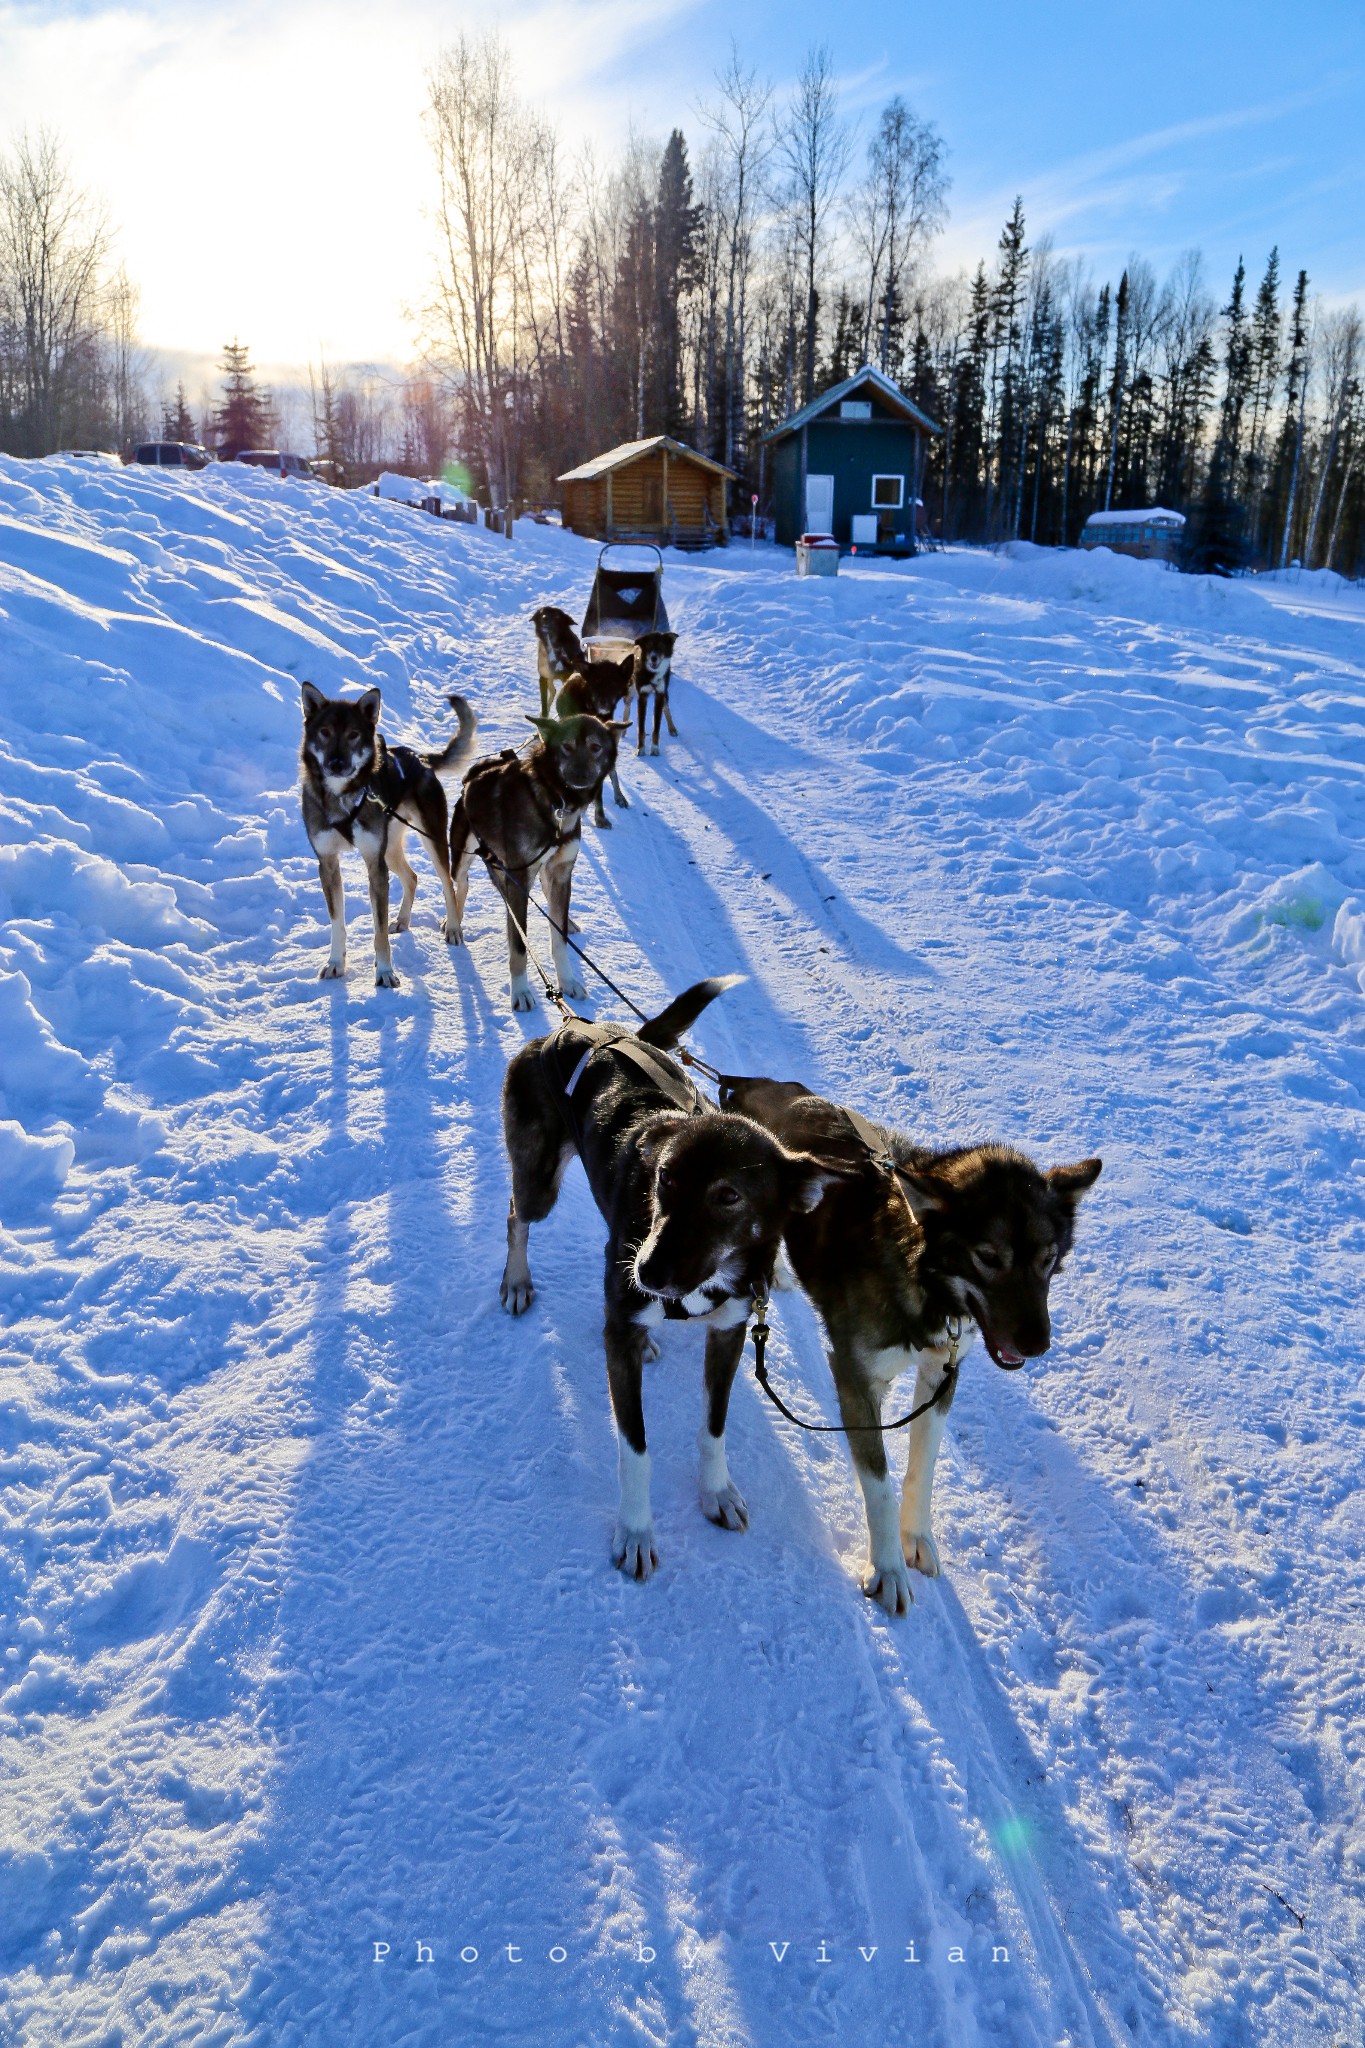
{"type": "Point", "coordinates": [358, 791]}
{"type": "Point", "coordinates": [695, 1202]}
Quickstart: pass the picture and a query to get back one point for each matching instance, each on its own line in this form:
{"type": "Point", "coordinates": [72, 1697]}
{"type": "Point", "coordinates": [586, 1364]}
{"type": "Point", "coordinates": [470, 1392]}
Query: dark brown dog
{"type": "Point", "coordinates": [597, 688]}
{"type": "Point", "coordinates": [526, 811]}
{"type": "Point", "coordinates": [559, 651]}
{"type": "Point", "coordinates": [653, 672]}
{"type": "Point", "coordinates": [350, 782]}
{"type": "Point", "coordinates": [695, 1202]}
{"type": "Point", "coordinates": [892, 1259]}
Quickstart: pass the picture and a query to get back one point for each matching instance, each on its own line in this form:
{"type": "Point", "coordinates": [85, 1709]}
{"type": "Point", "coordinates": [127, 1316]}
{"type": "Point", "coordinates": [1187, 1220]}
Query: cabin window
{"type": "Point", "coordinates": [855, 409]}
{"type": "Point", "coordinates": [888, 493]}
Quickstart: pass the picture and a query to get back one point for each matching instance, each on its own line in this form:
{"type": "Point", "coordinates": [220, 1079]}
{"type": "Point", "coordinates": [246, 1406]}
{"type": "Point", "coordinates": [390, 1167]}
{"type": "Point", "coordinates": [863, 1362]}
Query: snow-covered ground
{"type": "Point", "coordinates": [316, 1676]}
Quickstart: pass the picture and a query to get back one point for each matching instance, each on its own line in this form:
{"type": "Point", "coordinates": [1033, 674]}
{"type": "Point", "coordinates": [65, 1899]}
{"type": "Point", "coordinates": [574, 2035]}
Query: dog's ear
{"type": "Point", "coordinates": [808, 1180]}
{"type": "Point", "coordinates": [653, 1136]}
{"type": "Point", "coordinates": [313, 699]}
{"type": "Point", "coordinates": [369, 705]}
{"type": "Point", "coordinates": [551, 730]}
{"type": "Point", "coordinates": [1072, 1181]}
{"type": "Point", "coordinates": [925, 1192]}
{"type": "Point", "coordinates": [670, 641]}
{"type": "Point", "coordinates": [617, 725]}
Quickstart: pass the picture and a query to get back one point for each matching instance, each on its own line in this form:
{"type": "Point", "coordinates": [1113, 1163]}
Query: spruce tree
{"type": "Point", "coordinates": [1263, 375]}
{"type": "Point", "coordinates": [677, 267]}
{"type": "Point", "coordinates": [1291, 438]}
{"type": "Point", "coordinates": [176, 421]}
{"type": "Point", "coordinates": [246, 418]}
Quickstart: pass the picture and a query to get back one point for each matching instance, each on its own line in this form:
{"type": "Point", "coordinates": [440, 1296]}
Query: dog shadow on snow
{"type": "Point", "coordinates": [757, 826]}
{"type": "Point", "coordinates": [490, 1742]}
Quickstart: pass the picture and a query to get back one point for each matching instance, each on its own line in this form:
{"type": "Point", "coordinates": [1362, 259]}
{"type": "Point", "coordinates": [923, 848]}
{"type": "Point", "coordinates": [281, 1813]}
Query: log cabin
{"type": "Point", "coordinates": [655, 490]}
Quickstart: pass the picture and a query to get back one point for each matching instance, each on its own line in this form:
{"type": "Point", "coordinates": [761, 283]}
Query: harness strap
{"type": "Point", "coordinates": [941, 1392]}
{"type": "Point", "coordinates": [655, 1066]}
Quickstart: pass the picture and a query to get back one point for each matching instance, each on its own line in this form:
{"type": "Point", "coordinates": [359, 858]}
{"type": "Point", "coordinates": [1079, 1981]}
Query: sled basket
{"type": "Point", "coordinates": [624, 603]}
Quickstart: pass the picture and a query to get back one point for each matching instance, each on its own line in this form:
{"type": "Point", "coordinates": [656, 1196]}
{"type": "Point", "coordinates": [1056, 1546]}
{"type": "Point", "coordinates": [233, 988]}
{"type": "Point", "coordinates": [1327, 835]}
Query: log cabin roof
{"type": "Point", "coordinates": [631, 451]}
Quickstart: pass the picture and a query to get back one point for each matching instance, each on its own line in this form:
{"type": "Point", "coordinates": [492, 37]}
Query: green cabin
{"type": "Point", "coordinates": [851, 463]}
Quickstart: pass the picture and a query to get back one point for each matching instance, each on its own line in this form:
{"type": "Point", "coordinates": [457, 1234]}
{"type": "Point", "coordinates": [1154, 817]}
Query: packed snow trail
{"type": "Point", "coordinates": [317, 1675]}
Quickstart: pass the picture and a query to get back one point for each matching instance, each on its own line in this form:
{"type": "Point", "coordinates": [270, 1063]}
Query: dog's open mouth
{"type": "Point", "coordinates": [1004, 1355]}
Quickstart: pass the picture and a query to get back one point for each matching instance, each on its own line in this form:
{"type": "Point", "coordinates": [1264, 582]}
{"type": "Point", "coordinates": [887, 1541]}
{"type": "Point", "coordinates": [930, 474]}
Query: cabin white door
{"type": "Point", "coordinates": [819, 504]}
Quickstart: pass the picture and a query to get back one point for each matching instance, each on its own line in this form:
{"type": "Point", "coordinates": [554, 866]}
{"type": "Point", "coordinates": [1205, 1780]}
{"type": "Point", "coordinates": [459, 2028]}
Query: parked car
{"type": "Point", "coordinates": [105, 455]}
{"type": "Point", "coordinates": [271, 458]}
{"type": "Point", "coordinates": [328, 472]}
{"type": "Point", "coordinates": [173, 455]}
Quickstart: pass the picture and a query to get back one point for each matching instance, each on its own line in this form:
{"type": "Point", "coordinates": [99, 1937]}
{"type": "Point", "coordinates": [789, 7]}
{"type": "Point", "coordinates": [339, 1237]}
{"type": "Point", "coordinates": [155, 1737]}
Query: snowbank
{"type": "Point", "coordinates": [322, 1702]}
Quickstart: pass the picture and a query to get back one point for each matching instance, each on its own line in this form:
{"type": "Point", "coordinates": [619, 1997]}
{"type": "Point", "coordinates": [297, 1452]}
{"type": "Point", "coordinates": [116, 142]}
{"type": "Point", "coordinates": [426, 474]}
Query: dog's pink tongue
{"type": "Point", "coordinates": [1002, 1354]}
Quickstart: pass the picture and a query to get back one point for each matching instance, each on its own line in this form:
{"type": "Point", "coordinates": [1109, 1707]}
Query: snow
{"type": "Point", "coordinates": [1149, 515]}
{"type": "Point", "coordinates": [312, 1651]}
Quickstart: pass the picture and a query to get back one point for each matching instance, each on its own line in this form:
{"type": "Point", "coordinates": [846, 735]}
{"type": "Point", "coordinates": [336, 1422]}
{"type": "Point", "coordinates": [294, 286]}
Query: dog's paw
{"type": "Point", "coordinates": [655, 748]}
{"type": "Point", "coordinates": [450, 932]}
{"type": "Point", "coordinates": [725, 1505]}
{"type": "Point", "coordinates": [516, 1296]}
{"type": "Point", "coordinates": [401, 923]}
{"type": "Point", "coordinates": [572, 989]}
{"type": "Point", "coordinates": [522, 999]}
{"type": "Point", "coordinates": [649, 1352]}
{"type": "Point", "coordinates": [603, 823]}
{"type": "Point", "coordinates": [332, 970]}
{"type": "Point", "coordinates": [921, 1552]}
{"type": "Point", "coordinates": [622, 800]}
{"type": "Point", "coordinates": [574, 925]}
{"type": "Point", "coordinates": [889, 1586]}
{"type": "Point", "coordinates": [633, 1551]}
{"type": "Point", "coordinates": [386, 977]}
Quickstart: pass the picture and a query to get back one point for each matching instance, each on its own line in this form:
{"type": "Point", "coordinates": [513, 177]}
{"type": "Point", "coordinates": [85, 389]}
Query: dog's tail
{"type": "Point", "coordinates": [668, 1027]}
{"type": "Point", "coordinates": [457, 751]}
{"type": "Point", "coordinates": [573, 697]}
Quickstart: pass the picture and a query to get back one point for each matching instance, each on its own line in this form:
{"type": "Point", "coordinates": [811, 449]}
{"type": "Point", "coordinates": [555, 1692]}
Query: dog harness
{"type": "Point", "coordinates": [385, 788]}
{"type": "Point", "coordinates": [671, 1081]}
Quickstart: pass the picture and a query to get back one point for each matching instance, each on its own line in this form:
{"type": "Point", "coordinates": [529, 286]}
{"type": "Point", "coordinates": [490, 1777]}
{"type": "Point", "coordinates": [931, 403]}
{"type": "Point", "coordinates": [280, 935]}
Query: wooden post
{"type": "Point", "coordinates": [609, 512]}
{"type": "Point", "coordinates": [664, 511]}
{"type": "Point", "coordinates": [801, 490]}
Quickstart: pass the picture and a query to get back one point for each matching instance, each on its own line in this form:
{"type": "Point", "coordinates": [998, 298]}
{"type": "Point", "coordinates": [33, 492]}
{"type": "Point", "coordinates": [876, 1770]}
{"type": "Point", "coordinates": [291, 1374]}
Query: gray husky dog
{"type": "Point", "coordinates": [358, 791]}
{"type": "Point", "coordinates": [525, 813]}
{"type": "Point", "coordinates": [906, 1251]}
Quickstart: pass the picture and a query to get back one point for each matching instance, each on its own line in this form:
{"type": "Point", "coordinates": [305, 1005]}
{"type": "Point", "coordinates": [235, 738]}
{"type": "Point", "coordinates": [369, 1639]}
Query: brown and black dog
{"type": "Point", "coordinates": [653, 673]}
{"type": "Point", "coordinates": [526, 811]}
{"type": "Point", "coordinates": [559, 651]}
{"type": "Point", "coordinates": [905, 1243]}
{"type": "Point", "coordinates": [597, 688]}
{"type": "Point", "coordinates": [695, 1203]}
{"type": "Point", "coordinates": [350, 785]}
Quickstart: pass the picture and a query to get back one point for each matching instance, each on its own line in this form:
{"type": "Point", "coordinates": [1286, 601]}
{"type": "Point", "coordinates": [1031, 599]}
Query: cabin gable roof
{"type": "Point", "coordinates": [632, 451]}
{"type": "Point", "coordinates": [867, 379]}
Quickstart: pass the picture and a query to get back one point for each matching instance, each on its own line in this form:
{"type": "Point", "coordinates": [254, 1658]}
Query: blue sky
{"type": "Point", "coordinates": [263, 162]}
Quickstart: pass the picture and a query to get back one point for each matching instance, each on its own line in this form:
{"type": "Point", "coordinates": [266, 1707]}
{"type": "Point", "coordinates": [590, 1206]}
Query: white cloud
{"type": "Point", "coordinates": [264, 165]}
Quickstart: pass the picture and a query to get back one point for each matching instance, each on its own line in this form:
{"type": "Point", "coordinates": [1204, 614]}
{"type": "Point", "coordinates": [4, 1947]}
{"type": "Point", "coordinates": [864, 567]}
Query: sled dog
{"type": "Point", "coordinates": [526, 812]}
{"type": "Point", "coordinates": [559, 651]}
{"type": "Point", "coordinates": [597, 688]}
{"type": "Point", "coordinates": [653, 672]}
{"type": "Point", "coordinates": [695, 1202]}
{"type": "Point", "coordinates": [350, 781]}
{"type": "Point", "coordinates": [892, 1260]}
